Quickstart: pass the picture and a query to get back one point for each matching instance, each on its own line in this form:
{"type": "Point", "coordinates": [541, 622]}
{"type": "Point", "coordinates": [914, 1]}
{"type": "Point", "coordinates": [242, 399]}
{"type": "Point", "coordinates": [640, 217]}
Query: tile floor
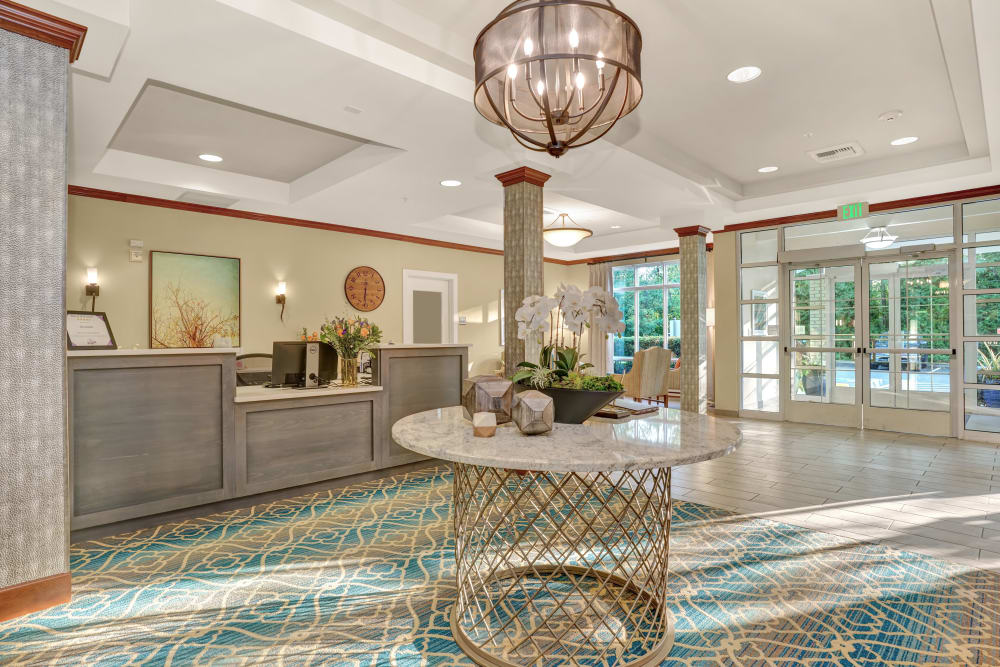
{"type": "Point", "coordinates": [937, 496]}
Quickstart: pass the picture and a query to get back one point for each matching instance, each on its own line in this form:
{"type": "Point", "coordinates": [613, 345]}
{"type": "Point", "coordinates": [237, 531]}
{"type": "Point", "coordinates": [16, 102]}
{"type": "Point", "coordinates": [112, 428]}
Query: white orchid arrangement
{"type": "Point", "coordinates": [568, 312]}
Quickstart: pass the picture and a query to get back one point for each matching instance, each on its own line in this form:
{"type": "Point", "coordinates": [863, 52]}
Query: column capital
{"type": "Point", "coordinates": [695, 230]}
{"type": "Point", "coordinates": [43, 27]}
{"type": "Point", "coordinates": [522, 175]}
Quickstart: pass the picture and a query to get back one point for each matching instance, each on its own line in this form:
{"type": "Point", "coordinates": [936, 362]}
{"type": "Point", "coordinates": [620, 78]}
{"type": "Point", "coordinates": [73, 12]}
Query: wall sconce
{"type": "Point", "coordinates": [710, 317]}
{"type": "Point", "coordinates": [93, 289]}
{"type": "Point", "coordinates": [279, 297]}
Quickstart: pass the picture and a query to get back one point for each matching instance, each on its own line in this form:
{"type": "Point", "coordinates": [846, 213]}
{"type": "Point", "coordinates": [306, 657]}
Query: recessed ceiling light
{"type": "Point", "coordinates": [768, 170]}
{"type": "Point", "coordinates": [616, 226]}
{"type": "Point", "coordinates": [208, 157]}
{"type": "Point", "coordinates": [744, 74]}
{"type": "Point", "coordinates": [902, 141]}
{"type": "Point", "coordinates": [451, 183]}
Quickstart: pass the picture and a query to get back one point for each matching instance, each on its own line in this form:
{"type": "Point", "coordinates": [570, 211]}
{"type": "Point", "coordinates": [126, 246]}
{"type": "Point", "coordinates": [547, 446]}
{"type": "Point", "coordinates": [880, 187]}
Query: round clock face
{"type": "Point", "coordinates": [364, 288]}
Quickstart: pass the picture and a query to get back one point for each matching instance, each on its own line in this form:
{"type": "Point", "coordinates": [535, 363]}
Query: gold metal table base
{"type": "Point", "coordinates": [561, 568]}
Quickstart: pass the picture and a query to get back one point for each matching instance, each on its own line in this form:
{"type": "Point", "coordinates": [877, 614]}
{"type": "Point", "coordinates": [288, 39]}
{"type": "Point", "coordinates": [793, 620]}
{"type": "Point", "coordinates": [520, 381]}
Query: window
{"type": "Point", "coordinates": [649, 296]}
{"type": "Point", "coordinates": [759, 370]}
{"type": "Point", "coordinates": [981, 315]}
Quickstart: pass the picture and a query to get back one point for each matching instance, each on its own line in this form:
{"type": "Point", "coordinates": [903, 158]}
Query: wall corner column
{"type": "Point", "coordinates": [523, 269]}
{"type": "Point", "coordinates": [694, 300]}
{"type": "Point", "coordinates": [35, 52]}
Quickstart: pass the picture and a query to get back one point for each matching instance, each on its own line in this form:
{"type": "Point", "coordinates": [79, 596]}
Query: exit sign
{"type": "Point", "coordinates": [854, 211]}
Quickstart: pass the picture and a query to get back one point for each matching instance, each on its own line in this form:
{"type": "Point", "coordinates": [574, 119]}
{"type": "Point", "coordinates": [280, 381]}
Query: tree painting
{"type": "Point", "coordinates": [194, 301]}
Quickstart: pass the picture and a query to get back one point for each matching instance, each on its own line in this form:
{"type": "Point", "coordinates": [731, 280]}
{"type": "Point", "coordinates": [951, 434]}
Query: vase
{"type": "Point", "coordinates": [349, 371]}
{"type": "Point", "coordinates": [575, 406]}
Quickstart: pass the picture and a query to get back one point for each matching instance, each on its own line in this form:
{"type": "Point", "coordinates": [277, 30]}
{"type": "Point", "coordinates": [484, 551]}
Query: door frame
{"type": "Point", "coordinates": [450, 311]}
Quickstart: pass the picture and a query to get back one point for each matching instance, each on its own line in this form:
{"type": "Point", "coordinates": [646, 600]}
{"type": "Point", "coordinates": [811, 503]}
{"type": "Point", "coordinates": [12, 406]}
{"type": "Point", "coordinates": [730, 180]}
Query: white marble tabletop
{"type": "Point", "coordinates": [659, 440]}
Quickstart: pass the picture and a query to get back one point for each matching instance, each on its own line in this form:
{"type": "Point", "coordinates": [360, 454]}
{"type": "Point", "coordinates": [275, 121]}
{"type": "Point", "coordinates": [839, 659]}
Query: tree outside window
{"type": "Point", "coordinates": [650, 299]}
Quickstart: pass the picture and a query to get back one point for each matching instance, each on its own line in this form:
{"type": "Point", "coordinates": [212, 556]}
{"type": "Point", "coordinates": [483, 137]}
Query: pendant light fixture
{"type": "Point", "coordinates": [558, 73]}
{"type": "Point", "coordinates": [878, 238]}
{"type": "Point", "coordinates": [558, 233]}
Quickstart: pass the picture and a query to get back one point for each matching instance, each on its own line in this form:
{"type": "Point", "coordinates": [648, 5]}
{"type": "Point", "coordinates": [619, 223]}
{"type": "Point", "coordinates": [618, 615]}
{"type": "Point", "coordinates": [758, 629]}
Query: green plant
{"type": "Point", "coordinates": [350, 336]}
{"type": "Point", "coordinates": [534, 375]}
{"type": "Point", "coordinates": [600, 383]}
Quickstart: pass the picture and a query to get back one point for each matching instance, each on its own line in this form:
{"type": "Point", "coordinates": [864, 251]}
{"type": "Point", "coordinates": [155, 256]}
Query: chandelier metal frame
{"type": "Point", "coordinates": [553, 118]}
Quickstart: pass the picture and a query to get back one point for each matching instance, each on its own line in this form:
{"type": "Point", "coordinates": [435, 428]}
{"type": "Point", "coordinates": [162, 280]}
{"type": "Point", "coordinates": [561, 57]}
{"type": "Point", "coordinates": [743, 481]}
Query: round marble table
{"type": "Point", "coordinates": [562, 539]}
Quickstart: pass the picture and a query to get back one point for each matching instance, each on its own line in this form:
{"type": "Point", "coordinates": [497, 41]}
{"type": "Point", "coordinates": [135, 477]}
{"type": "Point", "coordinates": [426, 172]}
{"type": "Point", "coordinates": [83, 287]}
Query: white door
{"type": "Point", "coordinates": [430, 307]}
{"type": "Point", "coordinates": [909, 354]}
{"type": "Point", "coordinates": [823, 352]}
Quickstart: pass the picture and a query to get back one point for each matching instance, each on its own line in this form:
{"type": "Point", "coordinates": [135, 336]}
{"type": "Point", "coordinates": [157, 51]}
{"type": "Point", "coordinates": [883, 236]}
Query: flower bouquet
{"type": "Point", "coordinates": [558, 323]}
{"type": "Point", "coordinates": [349, 336]}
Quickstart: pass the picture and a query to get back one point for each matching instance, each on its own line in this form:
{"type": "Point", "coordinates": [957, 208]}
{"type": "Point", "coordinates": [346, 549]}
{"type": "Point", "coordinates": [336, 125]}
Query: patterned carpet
{"type": "Point", "coordinates": [363, 576]}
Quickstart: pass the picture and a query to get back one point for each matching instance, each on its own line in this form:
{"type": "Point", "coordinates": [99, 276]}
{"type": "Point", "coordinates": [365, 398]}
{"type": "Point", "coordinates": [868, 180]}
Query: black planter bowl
{"type": "Point", "coordinates": [574, 406]}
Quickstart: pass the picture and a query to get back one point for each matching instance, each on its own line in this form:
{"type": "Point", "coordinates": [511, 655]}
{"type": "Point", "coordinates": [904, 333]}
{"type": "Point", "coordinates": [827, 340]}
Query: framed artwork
{"type": "Point", "coordinates": [87, 330]}
{"type": "Point", "coordinates": [194, 300]}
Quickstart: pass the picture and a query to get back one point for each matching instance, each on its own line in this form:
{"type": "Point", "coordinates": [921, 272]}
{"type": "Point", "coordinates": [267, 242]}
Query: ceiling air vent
{"type": "Point", "coordinates": [207, 199]}
{"type": "Point", "coordinates": [837, 153]}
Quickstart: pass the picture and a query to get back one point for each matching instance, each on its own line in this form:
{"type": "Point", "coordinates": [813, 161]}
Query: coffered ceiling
{"type": "Point", "coordinates": [352, 111]}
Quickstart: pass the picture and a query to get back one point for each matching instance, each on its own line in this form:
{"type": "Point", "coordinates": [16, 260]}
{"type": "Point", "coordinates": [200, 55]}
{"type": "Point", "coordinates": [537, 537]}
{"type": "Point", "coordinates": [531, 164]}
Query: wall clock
{"type": "Point", "coordinates": [364, 288]}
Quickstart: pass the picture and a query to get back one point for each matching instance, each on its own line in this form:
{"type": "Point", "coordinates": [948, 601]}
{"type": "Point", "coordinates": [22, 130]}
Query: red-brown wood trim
{"type": "Point", "coordinates": [142, 200]}
{"type": "Point", "coordinates": [694, 230]}
{"type": "Point", "coordinates": [523, 175]}
{"type": "Point", "coordinates": [43, 27]}
{"type": "Point", "coordinates": [926, 200]}
{"type": "Point", "coordinates": [34, 595]}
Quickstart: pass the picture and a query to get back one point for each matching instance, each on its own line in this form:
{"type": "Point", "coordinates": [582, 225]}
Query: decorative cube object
{"type": "Point", "coordinates": [484, 424]}
{"type": "Point", "coordinates": [487, 393]}
{"type": "Point", "coordinates": [533, 412]}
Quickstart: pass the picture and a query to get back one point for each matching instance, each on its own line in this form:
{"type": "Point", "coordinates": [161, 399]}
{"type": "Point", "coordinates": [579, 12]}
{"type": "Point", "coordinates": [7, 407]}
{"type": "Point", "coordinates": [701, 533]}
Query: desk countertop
{"type": "Point", "coordinates": [260, 393]}
{"type": "Point", "coordinates": [131, 352]}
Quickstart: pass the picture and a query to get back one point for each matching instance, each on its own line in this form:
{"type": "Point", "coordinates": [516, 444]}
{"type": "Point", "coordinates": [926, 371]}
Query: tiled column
{"type": "Point", "coordinates": [523, 272]}
{"type": "Point", "coordinates": [35, 52]}
{"type": "Point", "coordinates": [694, 340]}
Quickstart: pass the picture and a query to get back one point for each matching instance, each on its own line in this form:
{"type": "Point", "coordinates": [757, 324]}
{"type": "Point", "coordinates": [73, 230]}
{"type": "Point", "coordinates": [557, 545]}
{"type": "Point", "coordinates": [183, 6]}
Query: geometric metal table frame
{"type": "Point", "coordinates": [561, 567]}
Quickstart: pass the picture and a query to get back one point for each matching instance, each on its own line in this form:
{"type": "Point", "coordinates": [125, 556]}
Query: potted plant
{"type": "Point", "coordinates": [988, 372]}
{"type": "Point", "coordinates": [559, 372]}
{"type": "Point", "coordinates": [349, 336]}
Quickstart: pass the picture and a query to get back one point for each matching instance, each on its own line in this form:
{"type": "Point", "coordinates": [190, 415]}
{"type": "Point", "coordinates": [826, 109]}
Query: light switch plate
{"type": "Point", "coordinates": [134, 255]}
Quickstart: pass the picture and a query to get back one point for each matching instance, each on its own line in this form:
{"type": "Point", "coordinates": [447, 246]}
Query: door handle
{"type": "Point", "coordinates": [954, 352]}
{"type": "Point", "coordinates": [858, 351]}
{"type": "Point", "coordinates": [786, 349]}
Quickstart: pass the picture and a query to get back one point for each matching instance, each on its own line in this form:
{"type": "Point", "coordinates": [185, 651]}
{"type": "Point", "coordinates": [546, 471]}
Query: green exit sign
{"type": "Point", "coordinates": [854, 211]}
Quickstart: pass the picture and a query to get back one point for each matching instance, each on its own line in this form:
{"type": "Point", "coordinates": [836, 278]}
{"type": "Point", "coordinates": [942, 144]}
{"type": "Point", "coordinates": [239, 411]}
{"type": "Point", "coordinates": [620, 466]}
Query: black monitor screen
{"type": "Point", "coordinates": [288, 363]}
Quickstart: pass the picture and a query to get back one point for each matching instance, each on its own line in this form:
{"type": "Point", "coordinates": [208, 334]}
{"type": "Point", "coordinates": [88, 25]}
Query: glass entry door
{"type": "Point", "coordinates": [823, 349]}
{"type": "Point", "coordinates": [908, 349]}
{"type": "Point", "coordinates": [868, 344]}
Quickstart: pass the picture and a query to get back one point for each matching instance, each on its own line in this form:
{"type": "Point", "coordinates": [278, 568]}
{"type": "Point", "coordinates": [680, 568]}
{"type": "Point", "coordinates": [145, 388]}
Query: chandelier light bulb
{"type": "Point", "coordinates": [600, 60]}
{"type": "Point", "coordinates": [529, 47]}
{"type": "Point", "coordinates": [540, 87]}
{"type": "Point", "coordinates": [581, 80]}
{"type": "Point", "coordinates": [512, 71]}
{"type": "Point", "coordinates": [574, 38]}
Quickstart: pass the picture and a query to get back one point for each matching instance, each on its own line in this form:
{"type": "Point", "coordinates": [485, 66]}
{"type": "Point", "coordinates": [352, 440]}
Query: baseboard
{"type": "Point", "coordinates": [35, 595]}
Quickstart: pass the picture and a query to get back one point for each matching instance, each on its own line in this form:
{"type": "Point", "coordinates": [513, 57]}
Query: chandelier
{"type": "Point", "coordinates": [878, 238]}
{"type": "Point", "coordinates": [559, 234]}
{"type": "Point", "coordinates": [558, 73]}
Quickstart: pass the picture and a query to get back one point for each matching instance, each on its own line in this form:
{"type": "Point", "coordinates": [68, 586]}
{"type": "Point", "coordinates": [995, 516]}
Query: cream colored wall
{"type": "Point", "coordinates": [727, 397]}
{"type": "Point", "coordinates": [313, 262]}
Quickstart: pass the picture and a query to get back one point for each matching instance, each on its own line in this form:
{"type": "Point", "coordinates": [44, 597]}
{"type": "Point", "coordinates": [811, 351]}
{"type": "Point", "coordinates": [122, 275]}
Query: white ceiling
{"type": "Point", "coordinates": [687, 156]}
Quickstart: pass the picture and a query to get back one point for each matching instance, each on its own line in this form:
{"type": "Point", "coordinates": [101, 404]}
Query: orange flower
{"type": "Point", "coordinates": [365, 331]}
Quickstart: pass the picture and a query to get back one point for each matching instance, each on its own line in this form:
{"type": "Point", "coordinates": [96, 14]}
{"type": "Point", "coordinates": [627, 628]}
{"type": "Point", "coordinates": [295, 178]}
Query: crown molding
{"type": "Point", "coordinates": [523, 175]}
{"type": "Point", "coordinates": [43, 27]}
{"type": "Point", "coordinates": [694, 230]}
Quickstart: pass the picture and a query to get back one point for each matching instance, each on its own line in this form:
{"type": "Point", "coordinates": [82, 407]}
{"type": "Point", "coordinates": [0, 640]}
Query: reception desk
{"type": "Point", "coordinates": [156, 431]}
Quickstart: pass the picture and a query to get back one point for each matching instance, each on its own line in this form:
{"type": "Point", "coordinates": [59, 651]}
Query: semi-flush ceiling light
{"type": "Point", "coordinates": [451, 183]}
{"type": "Point", "coordinates": [768, 170]}
{"type": "Point", "coordinates": [902, 141]}
{"type": "Point", "coordinates": [559, 73]}
{"type": "Point", "coordinates": [878, 238]}
{"type": "Point", "coordinates": [744, 74]}
{"type": "Point", "coordinates": [559, 234]}
{"type": "Point", "coordinates": [208, 157]}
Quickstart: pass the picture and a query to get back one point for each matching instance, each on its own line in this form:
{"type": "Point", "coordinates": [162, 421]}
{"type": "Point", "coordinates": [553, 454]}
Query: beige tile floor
{"type": "Point", "coordinates": [938, 496]}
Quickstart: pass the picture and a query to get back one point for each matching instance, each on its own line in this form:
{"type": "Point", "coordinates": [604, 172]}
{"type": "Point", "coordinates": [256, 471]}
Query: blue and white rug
{"type": "Point", "coordinates": [364, 576]}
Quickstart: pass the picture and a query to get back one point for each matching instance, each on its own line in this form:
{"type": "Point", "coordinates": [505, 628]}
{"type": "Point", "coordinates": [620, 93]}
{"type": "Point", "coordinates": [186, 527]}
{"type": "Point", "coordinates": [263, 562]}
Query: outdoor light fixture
{"type": "Point", "coordinates": [558, 73]}
{"type": "Point", "coordinates": [93, 288]}
{"type": "Point", "coordinates": [279, 297]}
{"type": "Point", "coordinates": [563, 236]}
{"type": "Point", "coordinates": [878, 238]}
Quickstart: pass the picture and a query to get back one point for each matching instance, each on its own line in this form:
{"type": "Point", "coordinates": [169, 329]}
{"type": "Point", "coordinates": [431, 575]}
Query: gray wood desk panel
{"type": "Point", "coordinates": [418, 382]}
{"type": "Point", "coordinates": [144, 434]}
{"type": "Point", "coordinates": [288, 443]}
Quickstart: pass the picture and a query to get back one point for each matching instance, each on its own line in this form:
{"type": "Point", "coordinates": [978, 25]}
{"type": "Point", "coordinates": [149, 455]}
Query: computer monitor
{"type": "Point", "coordinates": [293, 364]}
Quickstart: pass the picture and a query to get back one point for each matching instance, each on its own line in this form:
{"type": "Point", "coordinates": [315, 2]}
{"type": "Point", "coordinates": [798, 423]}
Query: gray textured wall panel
{"type": "Point", "coordinates": [33, 90]}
